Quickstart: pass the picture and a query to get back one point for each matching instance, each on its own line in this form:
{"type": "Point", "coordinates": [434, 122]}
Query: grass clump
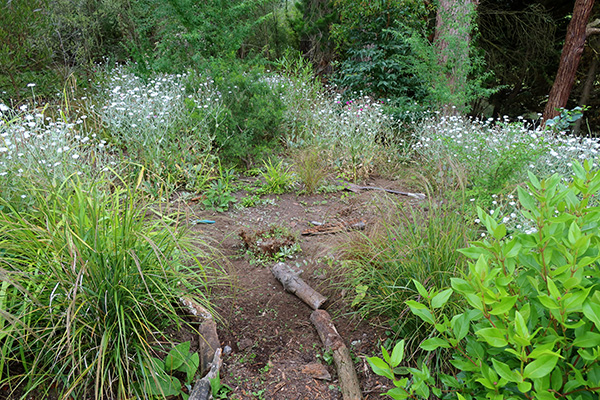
{"type": "Point", "coordinates": [310, 167]}
{"type": "Point", "coordinates": [87, 286]}
{"type": "Point", "coordinates": [411, 244]}
{"type": "Point", "coordinates": [278, 177]}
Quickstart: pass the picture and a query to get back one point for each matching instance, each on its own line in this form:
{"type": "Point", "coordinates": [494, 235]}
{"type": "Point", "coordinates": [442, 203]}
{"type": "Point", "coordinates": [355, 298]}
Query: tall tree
{"type": "Point", "coordinates": [453, 30]}
{"type": "Point", "coordinates": [569, 59]}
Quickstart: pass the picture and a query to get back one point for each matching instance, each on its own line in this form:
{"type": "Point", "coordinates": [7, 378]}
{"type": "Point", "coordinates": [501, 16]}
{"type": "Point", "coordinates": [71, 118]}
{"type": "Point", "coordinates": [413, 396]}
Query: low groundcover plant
{"type": "Point", "coordinates": [530, 330]}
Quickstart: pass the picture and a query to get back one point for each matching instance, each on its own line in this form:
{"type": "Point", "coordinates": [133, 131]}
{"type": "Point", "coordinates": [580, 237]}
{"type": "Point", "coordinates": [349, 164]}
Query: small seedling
{"type": "Point", "coordinates": [278, 178]}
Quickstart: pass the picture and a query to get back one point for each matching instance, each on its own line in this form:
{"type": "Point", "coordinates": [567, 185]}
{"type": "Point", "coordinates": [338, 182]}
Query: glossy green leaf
{"type": "Point", "coordinates": [421, 311]}
{"type": "Point", "coordinates": [379, 367]}
{"type": "Point", "coordinates": [587, 339]}
{"type": "Point", "coordinates": [504, 305]}
{"type": "Point", "coordinates": [473, 252]}
{"type": "Point", "coordinates": [524, 387]}
{"type": "Point", "coordinates": [574, 233]}
{"type": "Point", "coordinates": [505, 372]}
{"type": "Point", "coordinates": [553, 289]}
{"type": "Point", "coordinates": [440, 299]}
{"type": "Point", "coordinates": [499, 232]}
{"type": "Point", "coordinates": [386, 355]}
{"type": "Point", "coordinates": [493, 336]}
{"type": "Point", "coordinates": [548, 302]}
{"type": "Point", "coordinates": [421, 289]}
{"type": "Point", "coordinates": [591, 309]}
{"type": "Point", "coordinates": [540, 367]}
{"type": "Point", "coordinates": [397, 394]}
{"type": "Point", "coordinates": [460, 325]}
{"type": "Point", "coordinates": [521, 326]}
{"type": "Point", "coordinates": [526, 199]}
{"type": "Point", "coordinates": [434, 343]}
{"type": "Point", "coordinates": [397, 354]}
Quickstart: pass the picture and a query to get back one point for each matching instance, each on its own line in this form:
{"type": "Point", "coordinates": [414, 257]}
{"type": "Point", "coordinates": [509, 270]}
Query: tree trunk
{"type": "Point", "coordinates": [453, 25]}
{"type": "Point", "coordinates": [569, 59]}
{"type": "Point", "coordinates": [292, 283]}
{"type": "Point", "coordinates": [587, 91]}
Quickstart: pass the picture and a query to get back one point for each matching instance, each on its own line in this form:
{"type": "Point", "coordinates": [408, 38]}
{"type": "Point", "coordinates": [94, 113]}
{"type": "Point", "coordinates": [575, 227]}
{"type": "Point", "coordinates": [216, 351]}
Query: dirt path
{"type": "Point", "coordinates": [275, 350]}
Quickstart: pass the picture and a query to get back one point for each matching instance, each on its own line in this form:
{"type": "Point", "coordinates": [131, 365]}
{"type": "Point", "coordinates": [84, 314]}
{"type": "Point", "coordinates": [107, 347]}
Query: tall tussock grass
{"type": "Point", "coordinates": [411, 242]}
{"type": "Point", "coordinates": [87, 286]}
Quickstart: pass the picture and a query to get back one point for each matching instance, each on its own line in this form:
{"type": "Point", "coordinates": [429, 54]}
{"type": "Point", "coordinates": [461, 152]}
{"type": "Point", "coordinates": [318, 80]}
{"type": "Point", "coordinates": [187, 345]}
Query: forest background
{"type": "Point", "coordinates": [509, 57]}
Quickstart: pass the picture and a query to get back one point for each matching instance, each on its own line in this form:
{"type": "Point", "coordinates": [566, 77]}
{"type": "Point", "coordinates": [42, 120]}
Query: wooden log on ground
{"type": "Point", "coordinates": [207, 330]}
{"type": "Point", "coordinates": [292, 283]}
{"type": "Point", "coordinates": [202, 389]}
{"type": "Point", "coordinates": [341, 355]}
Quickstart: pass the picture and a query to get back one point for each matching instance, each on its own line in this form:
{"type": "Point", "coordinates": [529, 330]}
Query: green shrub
{"type": "Point", "coordinates": [531, 331]}
{"type": "Point", "coordinates": [253, 113]}
{"type": "Point", "coordinates": [87, 287]}
{"type": "Point", "coordinates": [373, 39]}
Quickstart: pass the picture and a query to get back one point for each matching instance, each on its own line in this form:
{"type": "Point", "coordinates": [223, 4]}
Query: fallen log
{"type": "Point", "coordinates": [207, 331]}
{"type": "Point", "coordinates": [292, 283]}
{"type": "Point", "coordinates": [341, 355]}
{"type": "Point", "coordinates": [202, 389]}
{"type": "Point", "coordinates": [355, 188]}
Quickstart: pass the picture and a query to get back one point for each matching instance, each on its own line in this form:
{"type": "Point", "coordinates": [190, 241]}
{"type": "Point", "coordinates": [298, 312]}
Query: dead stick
{"type": "Point", "coordinates": [355, 188]}
{"type": "Point", "coordinates": [341, 355]}
{"type": "Point", "coordinates": [292, 283]}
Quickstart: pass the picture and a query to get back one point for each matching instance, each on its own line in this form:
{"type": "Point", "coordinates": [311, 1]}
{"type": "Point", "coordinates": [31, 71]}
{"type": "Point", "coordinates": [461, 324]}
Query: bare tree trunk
{"type": "Point", "coordinates": [569, 59]}
{"type": "Point", "coordinates": [587, 91]}
{"type": "Point", "coordinates": [453, 25]}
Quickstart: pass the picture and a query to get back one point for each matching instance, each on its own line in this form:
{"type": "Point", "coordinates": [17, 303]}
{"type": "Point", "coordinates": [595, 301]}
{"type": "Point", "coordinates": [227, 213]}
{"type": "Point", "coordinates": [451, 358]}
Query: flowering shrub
{"type": "Point", "coordinates": [36, 147]}
{"type": "Point", "coordinates": [164, 124]}
{"type": "Point", "coordinates": [356, 136]}
{"type": "Point", "coordinates": [497, 152]}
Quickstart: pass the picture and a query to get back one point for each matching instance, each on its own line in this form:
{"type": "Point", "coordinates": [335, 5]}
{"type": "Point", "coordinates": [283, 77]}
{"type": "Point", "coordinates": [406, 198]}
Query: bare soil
{"type": "Point", "coordinates": [276, 352]}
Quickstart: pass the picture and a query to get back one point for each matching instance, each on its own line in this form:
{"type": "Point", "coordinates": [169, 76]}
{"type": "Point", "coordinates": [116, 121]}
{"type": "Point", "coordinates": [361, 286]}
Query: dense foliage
{"type": "Point", "coordinates": [529, 328]}
{"type": "Point", "coordinates": [109, 106]}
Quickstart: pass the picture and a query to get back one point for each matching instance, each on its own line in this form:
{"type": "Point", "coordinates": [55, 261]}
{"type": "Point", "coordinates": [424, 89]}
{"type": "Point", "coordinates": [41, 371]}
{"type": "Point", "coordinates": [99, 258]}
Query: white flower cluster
{"type": "Point", "coordinates": [353, 131]}
{"type": "Point", "coordinates": [146, 113]}
{"type": "Point", "coordinates": [37, 147]}
{"type": "Point", "coordinates": [483, 144]}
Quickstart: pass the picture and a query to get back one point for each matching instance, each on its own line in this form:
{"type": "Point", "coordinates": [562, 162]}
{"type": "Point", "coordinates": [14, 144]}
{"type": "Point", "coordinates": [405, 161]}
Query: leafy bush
{"type": "Point", "coordinates": [22, 25]}
{"type": "Point", "coordinates": [87, 286]}
{"type": "Point", "coordinates": [253, 113]}
{"type": "Point", "coordinates": [375, 48]}
{"type": "Point", "coordinates": [531, 330]}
